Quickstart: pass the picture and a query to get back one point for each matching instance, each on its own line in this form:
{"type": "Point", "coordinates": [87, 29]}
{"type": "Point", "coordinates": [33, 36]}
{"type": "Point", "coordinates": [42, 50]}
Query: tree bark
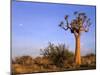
{"type": "Point", "coordinates": [77, 51]}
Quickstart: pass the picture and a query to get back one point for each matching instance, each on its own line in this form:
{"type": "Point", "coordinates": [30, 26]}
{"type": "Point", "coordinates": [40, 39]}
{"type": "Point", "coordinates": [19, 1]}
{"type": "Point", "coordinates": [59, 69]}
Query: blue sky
{"type": "Point", "coordinates": [36, 24]}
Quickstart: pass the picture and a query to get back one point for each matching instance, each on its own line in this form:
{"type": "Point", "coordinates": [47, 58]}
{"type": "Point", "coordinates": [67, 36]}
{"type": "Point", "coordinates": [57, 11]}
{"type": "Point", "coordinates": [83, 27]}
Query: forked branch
{"type": "Point", "coordinates": [80, 23]}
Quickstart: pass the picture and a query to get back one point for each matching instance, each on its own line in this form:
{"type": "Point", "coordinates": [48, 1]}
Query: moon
{"type": "Point", "coordinates": [20, 25]}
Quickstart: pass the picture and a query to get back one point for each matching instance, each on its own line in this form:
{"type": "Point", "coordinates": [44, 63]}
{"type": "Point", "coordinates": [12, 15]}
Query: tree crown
{"type": "Point", "coordinates": [80, 23]}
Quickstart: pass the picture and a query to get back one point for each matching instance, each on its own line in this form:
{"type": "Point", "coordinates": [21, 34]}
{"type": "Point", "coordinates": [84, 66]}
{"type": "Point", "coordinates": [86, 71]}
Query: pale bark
{"type": "Point", "coordinates": [77, 51]}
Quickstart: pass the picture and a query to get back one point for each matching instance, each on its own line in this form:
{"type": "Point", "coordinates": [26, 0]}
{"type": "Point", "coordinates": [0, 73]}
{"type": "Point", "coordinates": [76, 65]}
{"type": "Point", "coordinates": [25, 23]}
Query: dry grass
{"type": "Point", "coordinates": [43, 64]}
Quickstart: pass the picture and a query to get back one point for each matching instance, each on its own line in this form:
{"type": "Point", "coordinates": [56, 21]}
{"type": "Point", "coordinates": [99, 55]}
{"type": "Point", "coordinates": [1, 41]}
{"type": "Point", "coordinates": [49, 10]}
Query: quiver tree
{"type": "Point", "coordinates": [80, 23]}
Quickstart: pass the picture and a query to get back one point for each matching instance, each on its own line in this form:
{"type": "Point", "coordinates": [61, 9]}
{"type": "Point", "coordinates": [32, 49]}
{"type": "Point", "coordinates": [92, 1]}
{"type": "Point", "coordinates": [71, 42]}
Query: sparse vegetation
{"type": "Point", "coordinates": [35, 24]}
{"type": "Point", "coordinates": [55, 58]}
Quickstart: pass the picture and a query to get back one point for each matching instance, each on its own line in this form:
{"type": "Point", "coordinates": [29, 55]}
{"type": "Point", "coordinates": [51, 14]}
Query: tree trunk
{"type": "Point", "coordinates": [77, 51]}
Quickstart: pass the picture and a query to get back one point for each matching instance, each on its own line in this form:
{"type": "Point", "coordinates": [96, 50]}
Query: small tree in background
{"type": "Point", "coordinates": [57, 54]}
{"type": "Point", "coordinates": [80, 23]}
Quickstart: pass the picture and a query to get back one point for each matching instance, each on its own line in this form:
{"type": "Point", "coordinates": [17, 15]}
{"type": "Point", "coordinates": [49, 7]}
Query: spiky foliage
{"type": "Point", "coordinates": [57, 53]}
{"type": "Point", "coordinates": [80, 23]}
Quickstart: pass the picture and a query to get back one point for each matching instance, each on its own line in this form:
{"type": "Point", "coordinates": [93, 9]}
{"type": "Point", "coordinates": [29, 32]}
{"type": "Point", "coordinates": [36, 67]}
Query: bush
{"type": "Point", "coordinates": [90, 55]}
{"type": "Point", "coordinates": [57, 53]}
{"type": "Point", "coordinates": [24, 60]}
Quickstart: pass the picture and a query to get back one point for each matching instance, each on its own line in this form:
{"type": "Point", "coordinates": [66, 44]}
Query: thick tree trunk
{"type": "Point", "coordinates": [77, 51]}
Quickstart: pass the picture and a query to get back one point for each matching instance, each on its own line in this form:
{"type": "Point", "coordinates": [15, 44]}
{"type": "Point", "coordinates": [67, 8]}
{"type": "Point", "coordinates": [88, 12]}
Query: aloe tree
{"type": "Point", "coordinates": [79, 23]}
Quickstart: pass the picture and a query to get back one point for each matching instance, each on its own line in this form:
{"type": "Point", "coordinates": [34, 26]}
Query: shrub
{"type": "Point", "coordinates": [90, 55]}
{"type": "Point", "coordinates": [57, 53]}
{"type": "Point", "coordinates": [13, 61]}
{"type": "Point", "coordinates": [24, 60]}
